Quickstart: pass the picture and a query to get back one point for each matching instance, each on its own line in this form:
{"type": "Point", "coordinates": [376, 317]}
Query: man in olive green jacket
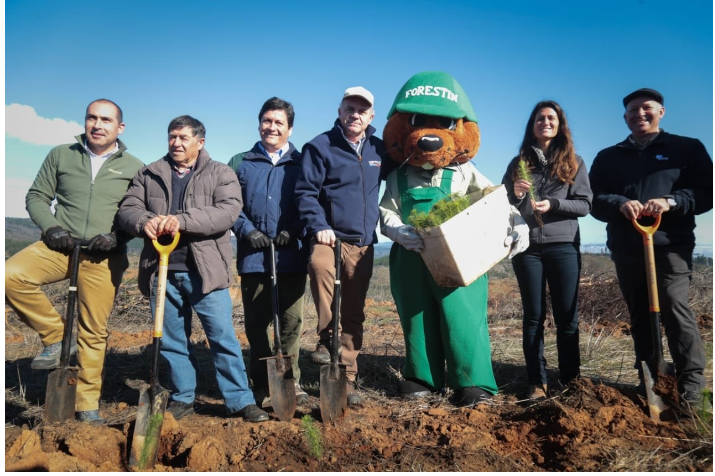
{"type": "Point", "coordinates": [88, 179]}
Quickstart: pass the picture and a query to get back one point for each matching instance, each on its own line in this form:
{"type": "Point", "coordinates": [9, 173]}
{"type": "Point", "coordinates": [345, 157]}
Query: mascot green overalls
{"type": "Point", "coordinates": [432, 133]}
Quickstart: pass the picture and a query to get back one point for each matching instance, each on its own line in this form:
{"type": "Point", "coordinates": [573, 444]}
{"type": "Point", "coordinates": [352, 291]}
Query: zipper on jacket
{"type": "Point", "coordinates": [91, 186]}
{"type": "Point", "coordinates": [89, 207]}
{"type": "Point", "coordinates": [364, 197]}
{"type": "Point", "coordinates": [91, 190]}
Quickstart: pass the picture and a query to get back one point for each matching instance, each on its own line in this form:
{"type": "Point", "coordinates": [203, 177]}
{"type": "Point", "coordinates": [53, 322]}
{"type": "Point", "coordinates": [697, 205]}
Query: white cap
{"type": "Point", "coordinates": [360, 92]}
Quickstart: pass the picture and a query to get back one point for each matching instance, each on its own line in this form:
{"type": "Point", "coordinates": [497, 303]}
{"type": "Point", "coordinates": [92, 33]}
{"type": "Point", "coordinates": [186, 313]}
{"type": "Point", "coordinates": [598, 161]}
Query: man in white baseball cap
{"type": "Point", "coordinates": [337, 197]}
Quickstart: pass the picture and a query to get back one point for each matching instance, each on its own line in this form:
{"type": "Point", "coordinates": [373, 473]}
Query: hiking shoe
{"type": "Point", "coordinates": [90, 416]}
{"type": "Point", "coordinates": [410, 389]}
{"type": "Point", "coordinates": [301, 398]}
{"type": "Point", "coordinates": [537, 392]}
{"type": "Point", "coordinates": [353, 395]}
{"type": "Point", "coordinates": [252, 414]}
{"type": "Point", "coordinates": [321, 355]}
{"type": "Point", "coordinates": [470, 396]}
{"type": "Point", "coordinates": [692, 398]}
{"type": "Point", "coordinates": [50, 356]}
{"type": "Point", "coordinates": [180, 409]}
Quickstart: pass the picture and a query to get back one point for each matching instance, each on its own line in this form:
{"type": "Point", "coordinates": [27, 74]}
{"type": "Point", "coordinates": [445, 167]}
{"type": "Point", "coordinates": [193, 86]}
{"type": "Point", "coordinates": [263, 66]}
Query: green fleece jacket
{"type": "Point", "coordinates": [84, 207]}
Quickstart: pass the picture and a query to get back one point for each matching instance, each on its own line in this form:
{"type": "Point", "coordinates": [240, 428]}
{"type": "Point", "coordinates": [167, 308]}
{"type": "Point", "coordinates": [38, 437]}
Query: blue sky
{"type": "Point", "coordinates": [220, 60]}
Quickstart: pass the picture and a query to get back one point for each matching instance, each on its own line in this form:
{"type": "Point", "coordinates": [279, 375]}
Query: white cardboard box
{"type": "Point", "coordinates": [467, 245]}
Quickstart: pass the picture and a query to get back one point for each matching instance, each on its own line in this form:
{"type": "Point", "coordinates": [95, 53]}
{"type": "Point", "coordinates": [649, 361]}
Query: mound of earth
{"type": "Point", "coordinates": [589, 427]}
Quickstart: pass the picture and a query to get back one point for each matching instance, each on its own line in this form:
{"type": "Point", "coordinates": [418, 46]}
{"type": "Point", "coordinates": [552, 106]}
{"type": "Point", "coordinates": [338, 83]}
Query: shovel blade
{"type": "Point", "coordinates": [656, 385]}
{"type": "Point", "coordinates": [147, 429]}
{"type": "Point", "coordinates": [281, 386]}
{"type": "Point", "coordinates": [333, 392]}
{"type": "Point", "coordinates": [61, 394]}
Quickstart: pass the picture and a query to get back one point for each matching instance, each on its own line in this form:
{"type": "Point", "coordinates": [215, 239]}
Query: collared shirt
{"type": "Point", "coordinates": [356, 146]}
{"type": "Point", "coordinates": [274, 156]}
{"type": "Point", "coordinates": [97, 161]}
{"type": "Point", "coordinates": [643, 145]}
{"type": "Point", "coordinates": [181, 171]}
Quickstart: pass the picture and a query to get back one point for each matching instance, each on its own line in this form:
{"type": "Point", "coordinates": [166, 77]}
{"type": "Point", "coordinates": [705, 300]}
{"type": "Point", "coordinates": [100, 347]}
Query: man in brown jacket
{"type": "Point", "coordinates": [185, 191]}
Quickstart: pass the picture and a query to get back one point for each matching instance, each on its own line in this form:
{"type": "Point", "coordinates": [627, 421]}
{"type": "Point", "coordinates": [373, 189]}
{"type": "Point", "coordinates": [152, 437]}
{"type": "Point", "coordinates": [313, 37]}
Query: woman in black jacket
{"type": "Point", "coordinates": [549, 185]}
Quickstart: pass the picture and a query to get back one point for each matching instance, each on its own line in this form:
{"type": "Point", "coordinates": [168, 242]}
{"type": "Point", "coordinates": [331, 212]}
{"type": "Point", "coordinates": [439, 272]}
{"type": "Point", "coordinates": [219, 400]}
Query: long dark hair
{"type": "Point", "coordinates": [561, 150]}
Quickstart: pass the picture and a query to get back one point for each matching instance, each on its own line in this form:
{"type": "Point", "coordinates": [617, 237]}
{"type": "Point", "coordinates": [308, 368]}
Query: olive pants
{"type": "Point", "coordinates": [258, 309]}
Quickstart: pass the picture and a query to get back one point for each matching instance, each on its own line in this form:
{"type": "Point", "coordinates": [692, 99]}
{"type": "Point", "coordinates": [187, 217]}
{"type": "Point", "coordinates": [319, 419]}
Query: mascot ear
{"type": "Point", "coordinates": [468, 141]}
{"type": "Point", "coordinates": [394, 135]}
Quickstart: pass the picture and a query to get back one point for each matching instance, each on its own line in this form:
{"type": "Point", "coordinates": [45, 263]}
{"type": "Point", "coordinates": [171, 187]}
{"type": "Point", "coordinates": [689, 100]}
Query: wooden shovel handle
{"type": "Point", "coordinates": [647, 232]}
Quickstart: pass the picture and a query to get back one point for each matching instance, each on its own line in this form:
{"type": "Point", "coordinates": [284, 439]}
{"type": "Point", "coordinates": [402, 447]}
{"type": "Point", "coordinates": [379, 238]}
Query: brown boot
{"type": "Point", "coordinates": [537, 392]}
{"type": "Point", "coordinates": [353, 395]}
{"type": "Point", "coordinates": [321, 354]}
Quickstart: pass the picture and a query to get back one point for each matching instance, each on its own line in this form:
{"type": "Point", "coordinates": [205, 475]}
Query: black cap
{"type": "Point", "coordinates": [646, 92]}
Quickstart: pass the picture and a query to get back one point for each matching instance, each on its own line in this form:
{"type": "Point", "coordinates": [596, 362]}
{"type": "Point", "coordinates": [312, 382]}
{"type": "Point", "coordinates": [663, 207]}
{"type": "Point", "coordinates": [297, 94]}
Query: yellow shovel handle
{"type": "Point", "coordinates": [164, 252]}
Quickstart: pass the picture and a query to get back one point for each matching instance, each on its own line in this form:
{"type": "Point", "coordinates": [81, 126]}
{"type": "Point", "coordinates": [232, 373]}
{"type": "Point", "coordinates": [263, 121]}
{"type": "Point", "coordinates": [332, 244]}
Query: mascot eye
{"type": "Point", "coordinates": [448, 123]}
{"type": "Point", "coordinates": [418, 120]}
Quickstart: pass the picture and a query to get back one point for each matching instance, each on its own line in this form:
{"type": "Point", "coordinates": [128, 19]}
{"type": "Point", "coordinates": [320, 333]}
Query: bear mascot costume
{"type": "Point", "coordinates": [432, 134]}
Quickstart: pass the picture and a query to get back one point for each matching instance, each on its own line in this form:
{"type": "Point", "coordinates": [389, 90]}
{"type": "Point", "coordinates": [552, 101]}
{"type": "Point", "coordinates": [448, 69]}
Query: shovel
{"type": "Point", "coordinates": [657, 373]}
{"type": "Point", "coordinates": [333, 378]}
{"type": "Point", "coordinates": [61, 394]}
{"type": "Point", "coordinates": [281, 385]}
{"type": "Point", "coordinates": [152, 401]}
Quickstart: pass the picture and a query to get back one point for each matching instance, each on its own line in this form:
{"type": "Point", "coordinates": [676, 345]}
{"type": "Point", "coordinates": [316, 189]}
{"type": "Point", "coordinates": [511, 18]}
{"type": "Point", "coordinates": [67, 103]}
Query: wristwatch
{"type": "Point", "coordinates": [671, 201]}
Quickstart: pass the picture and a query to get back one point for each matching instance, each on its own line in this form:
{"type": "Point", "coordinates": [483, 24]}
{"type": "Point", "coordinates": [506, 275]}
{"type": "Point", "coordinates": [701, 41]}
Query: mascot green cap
{"type": "Point", "coordinates": [434, 93]}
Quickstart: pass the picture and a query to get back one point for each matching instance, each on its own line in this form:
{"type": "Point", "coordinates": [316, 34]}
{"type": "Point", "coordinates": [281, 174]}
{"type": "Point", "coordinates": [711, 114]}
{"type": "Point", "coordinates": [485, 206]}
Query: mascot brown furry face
{"type": "Point", "coordinates": [427, 141]}
{"type": "Point", "coordinates": [432, 133]}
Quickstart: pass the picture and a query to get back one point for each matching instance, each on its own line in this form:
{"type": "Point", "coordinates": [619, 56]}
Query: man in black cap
{"type": "Point", "coordinates": [654, 173]}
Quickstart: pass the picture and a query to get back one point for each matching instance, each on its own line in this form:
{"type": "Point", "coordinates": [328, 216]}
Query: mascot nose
{"type": "Point", "coordinates": [430, 143]}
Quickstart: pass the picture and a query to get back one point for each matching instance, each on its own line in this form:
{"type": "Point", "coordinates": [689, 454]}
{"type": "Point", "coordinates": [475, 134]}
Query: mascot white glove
{"type": "Point", "coordinates": [518, 237]}
{"type": "Point", "coordinates": [408, 237]}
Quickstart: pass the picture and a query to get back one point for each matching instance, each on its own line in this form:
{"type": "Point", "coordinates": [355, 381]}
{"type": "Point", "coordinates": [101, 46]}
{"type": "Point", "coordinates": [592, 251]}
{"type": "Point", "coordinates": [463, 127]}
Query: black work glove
{"type": "Point", "coordinates": [103, 242]}
{"type": "Point", "coordinates": [258, 240]}
{"type": "Point", "coordinates": [58, 239]}
{"type": "Point", "coordinates": [282, 239]}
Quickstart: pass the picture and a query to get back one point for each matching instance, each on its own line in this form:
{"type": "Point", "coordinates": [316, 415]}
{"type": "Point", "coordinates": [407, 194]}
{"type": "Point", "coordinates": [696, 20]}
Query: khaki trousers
{"type": "Point", "coordinates": [356, 273]}
{"type": "Point", "coordinates": [98, 282]}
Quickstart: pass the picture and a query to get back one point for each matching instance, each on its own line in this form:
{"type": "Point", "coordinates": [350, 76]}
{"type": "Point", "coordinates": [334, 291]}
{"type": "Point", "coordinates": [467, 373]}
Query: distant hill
{"type": "Point", "coordinates": [22, 229]}
{"type": "Point", "coordinates": [19, 232]}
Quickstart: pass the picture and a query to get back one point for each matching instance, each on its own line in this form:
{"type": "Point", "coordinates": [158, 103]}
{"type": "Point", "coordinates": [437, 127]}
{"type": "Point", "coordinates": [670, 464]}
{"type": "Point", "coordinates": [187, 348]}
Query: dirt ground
{"type": "Point", "coordinates": [600, 424]}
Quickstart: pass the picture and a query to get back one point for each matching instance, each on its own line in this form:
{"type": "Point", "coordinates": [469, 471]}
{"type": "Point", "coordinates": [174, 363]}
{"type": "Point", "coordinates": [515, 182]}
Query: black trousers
{"type": "Point", "coordinates": [559, 265]}
{"type": "Point", "coordinates": [674, 268]}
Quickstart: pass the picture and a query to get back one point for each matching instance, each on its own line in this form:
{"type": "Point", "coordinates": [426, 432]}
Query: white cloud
{"type": "Point", "coordinates": [22, 122]}
{"type": "Point", "coordinates": [15, 191]}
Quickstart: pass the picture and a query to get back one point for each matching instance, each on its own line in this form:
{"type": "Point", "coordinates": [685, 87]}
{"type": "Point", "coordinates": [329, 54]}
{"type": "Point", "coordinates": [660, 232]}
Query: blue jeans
{"type": "Point", "coordinates": [559, 265]}
{"type": "Point", "coordinates": [183, 292]}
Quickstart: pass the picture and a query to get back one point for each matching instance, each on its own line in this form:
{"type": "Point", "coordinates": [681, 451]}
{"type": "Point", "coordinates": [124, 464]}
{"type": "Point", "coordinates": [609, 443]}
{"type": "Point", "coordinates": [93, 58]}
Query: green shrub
{"type": "Point", "coordinates": [313, 437]}
{"type": "Point", "coordinates": [442, 211]}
